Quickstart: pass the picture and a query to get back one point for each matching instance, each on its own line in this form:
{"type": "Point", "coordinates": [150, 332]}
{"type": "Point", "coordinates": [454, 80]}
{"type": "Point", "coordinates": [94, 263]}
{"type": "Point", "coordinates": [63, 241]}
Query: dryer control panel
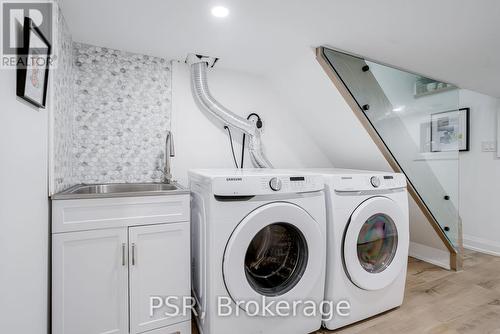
{"type": "Point", "coordinates": [368, 182]}
{"type": "Point", "coordinates": [252, 185]}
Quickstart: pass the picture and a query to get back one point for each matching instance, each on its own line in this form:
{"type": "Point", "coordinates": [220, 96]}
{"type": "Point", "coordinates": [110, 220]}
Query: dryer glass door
{"type": "Point", "coordinates": [376, 241]}
{"type": "Point", "coordinates": [276, 251]}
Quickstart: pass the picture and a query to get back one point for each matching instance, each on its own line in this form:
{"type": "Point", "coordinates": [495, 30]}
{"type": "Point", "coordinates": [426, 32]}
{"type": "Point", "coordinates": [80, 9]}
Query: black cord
{"type": "Point", "coordinates": [231, 142]}
{"type": "Point", "coordinates": [242, 150]}
{"type": "Point", "coordinates": [259, 125]}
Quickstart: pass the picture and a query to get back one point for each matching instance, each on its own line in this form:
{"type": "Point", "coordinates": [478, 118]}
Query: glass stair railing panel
{"type": "Point", "coordinates": [418, 120]}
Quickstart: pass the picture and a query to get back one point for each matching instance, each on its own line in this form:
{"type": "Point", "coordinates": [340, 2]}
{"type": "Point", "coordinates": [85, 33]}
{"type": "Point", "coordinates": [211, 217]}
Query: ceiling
{"type": "Point", "coordinates": [457, 41]}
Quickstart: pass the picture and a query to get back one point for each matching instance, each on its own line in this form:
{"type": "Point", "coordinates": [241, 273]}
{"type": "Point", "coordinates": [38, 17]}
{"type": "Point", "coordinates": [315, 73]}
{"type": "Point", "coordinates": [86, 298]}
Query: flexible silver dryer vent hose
{"type": "Point", "coordinates": [207, 102]}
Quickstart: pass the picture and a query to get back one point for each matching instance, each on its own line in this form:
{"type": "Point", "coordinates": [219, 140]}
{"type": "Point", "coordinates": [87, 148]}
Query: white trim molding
{"type": "Point", "coordinates": [482, 245]}
{"type": "Point", "coordinates": [438, 257]}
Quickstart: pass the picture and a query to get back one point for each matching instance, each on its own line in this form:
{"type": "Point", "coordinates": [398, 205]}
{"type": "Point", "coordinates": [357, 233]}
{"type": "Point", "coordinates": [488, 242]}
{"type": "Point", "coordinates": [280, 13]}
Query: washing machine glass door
{"type": "Point", "coordinates": [376, 243]}
{"type": "Point", "coordinates": [277, 252]}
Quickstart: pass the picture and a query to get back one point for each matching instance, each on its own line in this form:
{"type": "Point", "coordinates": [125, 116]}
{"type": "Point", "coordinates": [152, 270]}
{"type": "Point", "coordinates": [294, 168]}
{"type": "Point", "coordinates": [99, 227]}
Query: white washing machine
{"type": "Point", "coordinates": [259, 236]}
{"type": "Point", "coordinates": [367, 242]}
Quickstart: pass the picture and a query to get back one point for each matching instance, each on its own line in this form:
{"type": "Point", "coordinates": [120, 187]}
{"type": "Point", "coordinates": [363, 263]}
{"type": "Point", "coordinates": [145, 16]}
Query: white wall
{"type": "Point", "coordinates": [23, 213]}
{"type": "Point", "coordinates": [324, 114]}
{"type": "Point", "coordinates": [480, 176]}
{"type": "Point", "coordinates": [202, 142]}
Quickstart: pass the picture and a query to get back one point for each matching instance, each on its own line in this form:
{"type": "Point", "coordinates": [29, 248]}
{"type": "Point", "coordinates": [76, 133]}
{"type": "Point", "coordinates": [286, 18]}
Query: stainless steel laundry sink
{"type": "Point", "coordinates": [120, 190]}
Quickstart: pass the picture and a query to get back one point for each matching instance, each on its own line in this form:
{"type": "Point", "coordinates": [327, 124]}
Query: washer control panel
{"type": "Point", "coordinates": [252, 185]}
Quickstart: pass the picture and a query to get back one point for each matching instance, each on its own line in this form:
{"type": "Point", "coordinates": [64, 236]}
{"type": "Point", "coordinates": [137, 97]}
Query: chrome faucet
{"type": "Point", "coordinates": [169, 152]}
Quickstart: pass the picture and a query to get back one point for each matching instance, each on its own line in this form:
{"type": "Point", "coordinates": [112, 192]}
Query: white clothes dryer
{"type": "Point", "coordinates": [367, 242]}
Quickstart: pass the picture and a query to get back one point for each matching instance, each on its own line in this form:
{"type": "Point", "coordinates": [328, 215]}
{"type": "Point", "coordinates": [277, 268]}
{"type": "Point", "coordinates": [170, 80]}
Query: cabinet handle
{"type": "Point", "coordinates": [133, 254]}
{"type": "Point", "coordinates": [123, 253]}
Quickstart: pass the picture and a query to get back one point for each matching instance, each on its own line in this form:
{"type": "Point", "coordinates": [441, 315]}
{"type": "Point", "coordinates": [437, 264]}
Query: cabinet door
{"type": "Point", "coordinates": [159, 267]}
{"type": "Point", "coordinates": [89, 282]}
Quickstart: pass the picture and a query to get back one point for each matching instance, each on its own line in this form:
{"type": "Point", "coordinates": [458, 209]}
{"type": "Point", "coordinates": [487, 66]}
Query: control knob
{"type": "Point", "coordinates": [375, 181]}
{"type": "Point", "coordinates": [275, 184]}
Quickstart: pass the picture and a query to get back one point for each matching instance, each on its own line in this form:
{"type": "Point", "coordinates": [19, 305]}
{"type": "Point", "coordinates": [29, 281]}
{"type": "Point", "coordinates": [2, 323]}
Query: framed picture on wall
{"type": "Point", "coordinates": [450, 130]}
{"type": "Point", "coordinates": [33, 65]}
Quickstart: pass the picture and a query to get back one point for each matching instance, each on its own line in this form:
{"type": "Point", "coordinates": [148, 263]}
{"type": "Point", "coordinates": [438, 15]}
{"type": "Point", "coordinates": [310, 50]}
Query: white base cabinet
{"type": "Point", "coordinates": [89, 282]}
{"type": "Point", "coordinates": [159, 256]}
{"type": "Point", "coordinates": [106, 280]}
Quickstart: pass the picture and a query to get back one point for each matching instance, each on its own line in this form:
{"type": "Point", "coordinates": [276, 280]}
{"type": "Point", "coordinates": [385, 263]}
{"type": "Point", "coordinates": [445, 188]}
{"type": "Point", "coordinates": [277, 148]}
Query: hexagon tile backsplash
{"type": "Point", "coordinates": [122, 112]}
{"type": "Point", "coordinates": [62, 106]}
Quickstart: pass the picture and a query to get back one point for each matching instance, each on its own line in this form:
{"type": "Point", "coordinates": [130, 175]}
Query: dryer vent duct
{"type": "Point", "coordinates": [207, 102]}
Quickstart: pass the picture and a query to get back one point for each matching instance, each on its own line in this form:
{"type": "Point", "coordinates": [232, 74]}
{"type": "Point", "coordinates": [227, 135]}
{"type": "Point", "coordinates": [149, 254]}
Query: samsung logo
{"type": "Point", "coordinates": [234, 179]}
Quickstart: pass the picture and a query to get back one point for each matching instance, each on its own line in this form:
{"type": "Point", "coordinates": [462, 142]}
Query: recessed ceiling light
{"type": "Point", "coordinates": [220, 11]}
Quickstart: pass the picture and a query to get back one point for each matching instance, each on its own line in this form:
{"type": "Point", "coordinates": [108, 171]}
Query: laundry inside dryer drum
{"type": "Point", "coordinates": [276, 259]}
{"type": "Point", "coordinates": [377, 243]}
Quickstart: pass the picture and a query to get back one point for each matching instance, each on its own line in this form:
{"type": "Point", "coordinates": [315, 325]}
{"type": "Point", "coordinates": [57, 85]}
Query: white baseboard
{"type": "Point", "coordinates": [438, 257]}
{"type": "Point", "coordinates": [482, 245]}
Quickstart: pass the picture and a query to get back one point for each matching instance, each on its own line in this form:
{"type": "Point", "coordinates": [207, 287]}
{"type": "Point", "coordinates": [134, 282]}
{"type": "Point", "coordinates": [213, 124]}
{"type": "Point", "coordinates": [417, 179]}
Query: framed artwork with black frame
{"type": "Point", "coordinates": [450, 130]}
{"type": "Point", "coordinates": [33, 65]}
